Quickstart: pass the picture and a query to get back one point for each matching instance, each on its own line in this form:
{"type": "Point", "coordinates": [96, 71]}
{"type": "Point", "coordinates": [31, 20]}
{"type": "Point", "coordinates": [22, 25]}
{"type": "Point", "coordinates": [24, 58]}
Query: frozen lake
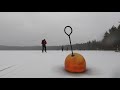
{"type": "Point", "coordinates": [35, 64]}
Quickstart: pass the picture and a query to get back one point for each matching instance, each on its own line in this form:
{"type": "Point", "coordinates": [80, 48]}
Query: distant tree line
{"type": "Point", "coordinates": [110, 41]}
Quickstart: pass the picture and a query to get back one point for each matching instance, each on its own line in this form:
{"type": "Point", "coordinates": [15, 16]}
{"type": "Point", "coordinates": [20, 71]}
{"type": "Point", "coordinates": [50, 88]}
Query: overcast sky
{"type": "Point", "coordinates": [29, 28]}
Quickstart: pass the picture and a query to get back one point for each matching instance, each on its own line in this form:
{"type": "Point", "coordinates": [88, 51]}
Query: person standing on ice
{"type": "Point", "coordinates": [43, 45]}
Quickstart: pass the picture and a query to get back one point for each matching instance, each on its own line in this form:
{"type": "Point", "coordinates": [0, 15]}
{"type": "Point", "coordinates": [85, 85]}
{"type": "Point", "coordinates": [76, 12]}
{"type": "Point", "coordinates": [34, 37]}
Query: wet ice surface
{"type": "Point", "coordinates": [35, 64]}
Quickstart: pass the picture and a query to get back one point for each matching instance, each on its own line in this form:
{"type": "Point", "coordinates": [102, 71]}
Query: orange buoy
{"type": "Point", "coordinates": [75, 63]}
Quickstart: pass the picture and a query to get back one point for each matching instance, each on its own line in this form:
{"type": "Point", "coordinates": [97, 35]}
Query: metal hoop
{"type": "Point", "coordinates": [66, 32]}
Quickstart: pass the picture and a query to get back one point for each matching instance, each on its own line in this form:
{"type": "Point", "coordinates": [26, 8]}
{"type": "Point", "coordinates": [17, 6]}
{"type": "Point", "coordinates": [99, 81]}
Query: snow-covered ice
{"type": "Point", "coordinates": [35, 64]}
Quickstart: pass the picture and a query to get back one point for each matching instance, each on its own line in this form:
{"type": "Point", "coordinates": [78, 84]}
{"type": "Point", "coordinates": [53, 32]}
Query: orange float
{"type": "Point", "coordinates": [75, 63]}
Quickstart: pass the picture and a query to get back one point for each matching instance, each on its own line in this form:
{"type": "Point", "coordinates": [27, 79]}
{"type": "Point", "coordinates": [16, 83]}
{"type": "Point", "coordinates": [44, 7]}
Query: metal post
{"type": "Point", "coordinates": [71, 45]}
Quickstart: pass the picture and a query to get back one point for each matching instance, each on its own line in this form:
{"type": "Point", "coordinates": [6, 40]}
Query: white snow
{"type": "Point", "coordinates": [35, 64]}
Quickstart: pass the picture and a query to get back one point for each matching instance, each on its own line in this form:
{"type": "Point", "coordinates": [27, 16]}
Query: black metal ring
{"type": "Point", "coordinates": [70, 32]}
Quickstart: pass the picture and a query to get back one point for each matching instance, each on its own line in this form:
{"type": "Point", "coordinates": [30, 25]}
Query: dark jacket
{"type": "Point", "coordinates": [43, 42]}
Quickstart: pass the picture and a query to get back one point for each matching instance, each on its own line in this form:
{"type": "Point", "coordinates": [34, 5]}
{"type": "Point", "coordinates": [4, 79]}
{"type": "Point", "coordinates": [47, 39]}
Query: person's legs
{"type": "Point", "coordinates": [42, 48]}
{"type": "Point", "coordinates": [45, 48]}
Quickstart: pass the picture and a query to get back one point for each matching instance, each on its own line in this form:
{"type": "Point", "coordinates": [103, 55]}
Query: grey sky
{"type": "Point", "coordinates": [29, 28]}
